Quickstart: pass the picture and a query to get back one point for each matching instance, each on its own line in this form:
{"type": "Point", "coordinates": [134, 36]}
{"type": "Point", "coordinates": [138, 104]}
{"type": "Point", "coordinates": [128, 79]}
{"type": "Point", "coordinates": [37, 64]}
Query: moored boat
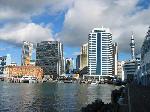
{"type": "Point", "coordinates": [94, 83]}
{"type": "Point", "coordinates": [28, 79]}
{"type": "Point", "coordinates": [68, 81]}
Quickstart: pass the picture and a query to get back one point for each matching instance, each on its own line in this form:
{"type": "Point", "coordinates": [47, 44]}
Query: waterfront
{"type": "Point", "coordinates": [52, 97]}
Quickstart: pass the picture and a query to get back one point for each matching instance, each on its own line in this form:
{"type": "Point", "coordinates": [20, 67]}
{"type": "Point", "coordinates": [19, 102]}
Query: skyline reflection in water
{"type": "Point", "coordinates": [50, 97]}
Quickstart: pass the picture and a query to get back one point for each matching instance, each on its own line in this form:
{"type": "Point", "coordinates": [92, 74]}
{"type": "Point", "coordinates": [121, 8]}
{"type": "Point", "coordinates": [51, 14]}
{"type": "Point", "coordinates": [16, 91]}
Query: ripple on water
{"type": "Point", "coordinates": [50, 97]}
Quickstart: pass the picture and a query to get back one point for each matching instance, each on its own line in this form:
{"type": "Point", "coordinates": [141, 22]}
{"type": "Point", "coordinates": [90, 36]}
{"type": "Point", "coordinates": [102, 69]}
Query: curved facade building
{"type": "Point", "coordinates": [100, 52]}
{"type": "Point", "coordinates": [145, 60]}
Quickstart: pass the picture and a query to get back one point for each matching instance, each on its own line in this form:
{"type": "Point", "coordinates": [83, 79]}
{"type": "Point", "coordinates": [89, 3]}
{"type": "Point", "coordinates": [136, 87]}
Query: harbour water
{"type": "Point", "coordinates": [50, 97]}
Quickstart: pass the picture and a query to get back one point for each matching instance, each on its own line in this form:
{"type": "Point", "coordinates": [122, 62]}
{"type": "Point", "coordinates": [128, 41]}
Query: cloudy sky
{"type": "Point", "coordinates": [70, 22]}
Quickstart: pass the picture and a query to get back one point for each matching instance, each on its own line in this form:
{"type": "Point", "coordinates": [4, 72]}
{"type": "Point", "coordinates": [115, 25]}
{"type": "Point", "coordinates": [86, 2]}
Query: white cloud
{"type": "Point", "coordinates": [122, 17]}
{"type": "Point", "coordinates": [16, 33]}
{"type": "Point", "coordinates": [16, 17]}
{"type": "Point", "coordinates": [76, 53]}
{"type": "Point", "coordinates": [24, 9]}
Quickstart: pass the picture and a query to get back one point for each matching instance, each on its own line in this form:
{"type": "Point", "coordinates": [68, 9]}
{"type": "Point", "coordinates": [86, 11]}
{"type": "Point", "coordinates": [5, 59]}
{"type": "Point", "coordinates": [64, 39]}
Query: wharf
{"type": "Point", "coordinates": [139, 98]}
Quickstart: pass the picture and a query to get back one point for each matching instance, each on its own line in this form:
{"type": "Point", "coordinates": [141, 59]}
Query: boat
{"type": "Point", "coordinates": [94, 83]}
{"type": "Point", "coordinates": [60, 81]}
{"type": "Point", "coordinates": [2, 77]}
{"type": "Point", "coordinates": [85, 82]}
{"type": "Point", "coordinates": [68, 81]}
{"type": "Point", "coordinates": [102, 81]}
{"type": "Point", "coordinates": [33, 80]}
{"type": "Point", "coordinates": [28, 79]}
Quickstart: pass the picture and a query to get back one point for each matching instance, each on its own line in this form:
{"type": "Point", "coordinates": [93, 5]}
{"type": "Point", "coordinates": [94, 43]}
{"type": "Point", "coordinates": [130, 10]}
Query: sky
{"type": "Point", "coordinates": [70, 21]}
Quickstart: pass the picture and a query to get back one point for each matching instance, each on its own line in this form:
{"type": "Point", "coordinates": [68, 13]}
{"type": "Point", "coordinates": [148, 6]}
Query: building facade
{"type": "Point", "coordinates": [84, 56]}
{"type": "Point", "coordinates": [145, 60]}
{"type": "Point", "coordinates": [100, 52]}
{"type": "Point", "coordinates": [115, 58]}
{"type": "Point", "coordinates": [129, 69]}
{"type": "Point", "coordinates": [4, 61]}
{"type": "Point", "coordinates": [78, 62]}
{"type": "Point", "coordinates": [84, 49]}
{"type": "Point", "coordinates": [49, 56]}
{"type": "Point", "coordinates": [27, 48]}
{"type": "Point", "coordinates": [69, 65]}
{"type": "Point", "coordinates": [19, 71]}
{"type": "Point", "coordinates": [120, 71]}
{"type": "Point", "coordinates": [13, 64]}
{"type": "Point", "coordinates": [83, 61]}
{"type": "Point", "coordinates": [32, 62]}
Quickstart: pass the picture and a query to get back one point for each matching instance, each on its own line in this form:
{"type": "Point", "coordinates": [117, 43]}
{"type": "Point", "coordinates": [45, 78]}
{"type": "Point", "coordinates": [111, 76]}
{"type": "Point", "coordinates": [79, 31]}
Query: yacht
{"type": "Point", "coordinates": [28, 79]}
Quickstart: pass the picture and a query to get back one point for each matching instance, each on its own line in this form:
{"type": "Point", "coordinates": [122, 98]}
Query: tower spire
{"type": "Point", "coordinates": [132, 45]}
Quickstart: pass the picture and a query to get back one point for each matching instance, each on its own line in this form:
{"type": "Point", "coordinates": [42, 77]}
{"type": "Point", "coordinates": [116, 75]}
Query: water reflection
{"type": "Point", "coordinates": [50, 97]}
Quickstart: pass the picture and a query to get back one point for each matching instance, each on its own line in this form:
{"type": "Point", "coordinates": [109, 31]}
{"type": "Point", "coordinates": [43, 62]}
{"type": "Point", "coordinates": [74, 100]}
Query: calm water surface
{"type": "Point", "coordinates": [50, 97]}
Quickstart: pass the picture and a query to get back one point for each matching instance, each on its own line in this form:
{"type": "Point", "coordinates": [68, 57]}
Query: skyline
{"type": "Point", "coordinates": [59, 20]}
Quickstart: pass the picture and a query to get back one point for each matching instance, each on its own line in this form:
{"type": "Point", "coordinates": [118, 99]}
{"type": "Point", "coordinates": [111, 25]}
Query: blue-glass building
{"type": "Point", "coordinates": [100, 52]}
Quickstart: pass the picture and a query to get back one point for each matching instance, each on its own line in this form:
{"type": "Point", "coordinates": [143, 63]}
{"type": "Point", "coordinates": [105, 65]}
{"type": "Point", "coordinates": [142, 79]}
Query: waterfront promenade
{"type": "Point", "coordinates": [139, 98]}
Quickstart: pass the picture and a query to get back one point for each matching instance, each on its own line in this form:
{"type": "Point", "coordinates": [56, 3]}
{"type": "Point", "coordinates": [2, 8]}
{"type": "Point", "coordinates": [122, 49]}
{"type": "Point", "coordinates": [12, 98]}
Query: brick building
{"type": "Point", "coordinates": [20, 71]}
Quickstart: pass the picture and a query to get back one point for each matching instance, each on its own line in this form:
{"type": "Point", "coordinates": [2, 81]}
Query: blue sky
{"type": "Point", "coordinates": [70, 21]}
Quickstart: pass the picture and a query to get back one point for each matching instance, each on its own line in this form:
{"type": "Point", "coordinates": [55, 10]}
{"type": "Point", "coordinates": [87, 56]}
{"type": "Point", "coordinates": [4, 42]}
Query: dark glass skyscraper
{"type": "Point", "coordinates": [49, 56]}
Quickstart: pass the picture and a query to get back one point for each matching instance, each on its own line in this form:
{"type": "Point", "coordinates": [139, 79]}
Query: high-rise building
{"type": "Point", "coordinates": [129, 69]}
{"type": "Point", "coordinates": [26, 53]}
{"type": "Point", "coordinates": [120, 71]}
{"type": "Point", "coordinates": [84, 56]}
{"type": "Point", "coordinates": [49, 56]}
{"type": "Point", "coordinates": [78, 62]}
{"type": "Point", "coordinates": [83, 61]}
{"type": "Point", "coordinates": [115, 58]}
{"type": "Point", "coordinates": [32, 62]}
{"type": "Point", "coordinates": [4, 61]}
{"type": "Point", "coordinates": [69, 65]}
{"type": "Point", "coordinates": [84, 49]}
{"type": "Point", "coordinates": [100, 52]}
{"type": "Point", "coordinates": [145, 60]}
{"type": "Point", "coordinates": [63, 65]}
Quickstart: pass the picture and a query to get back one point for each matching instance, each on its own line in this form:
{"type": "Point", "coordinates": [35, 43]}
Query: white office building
{"type": "Point", "coordinates": [100, 52]}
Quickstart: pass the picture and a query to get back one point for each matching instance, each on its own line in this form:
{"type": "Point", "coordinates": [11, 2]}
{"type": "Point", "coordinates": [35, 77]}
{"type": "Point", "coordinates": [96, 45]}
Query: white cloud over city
{"type": "Point", "coordinates": [30, 32]}
{"type": "Point", "coordinates": [17, 16]}
{"type": "Point", "coordinates": [122, 17]}
{"type": "Point", "coordinates": [24, 9]}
